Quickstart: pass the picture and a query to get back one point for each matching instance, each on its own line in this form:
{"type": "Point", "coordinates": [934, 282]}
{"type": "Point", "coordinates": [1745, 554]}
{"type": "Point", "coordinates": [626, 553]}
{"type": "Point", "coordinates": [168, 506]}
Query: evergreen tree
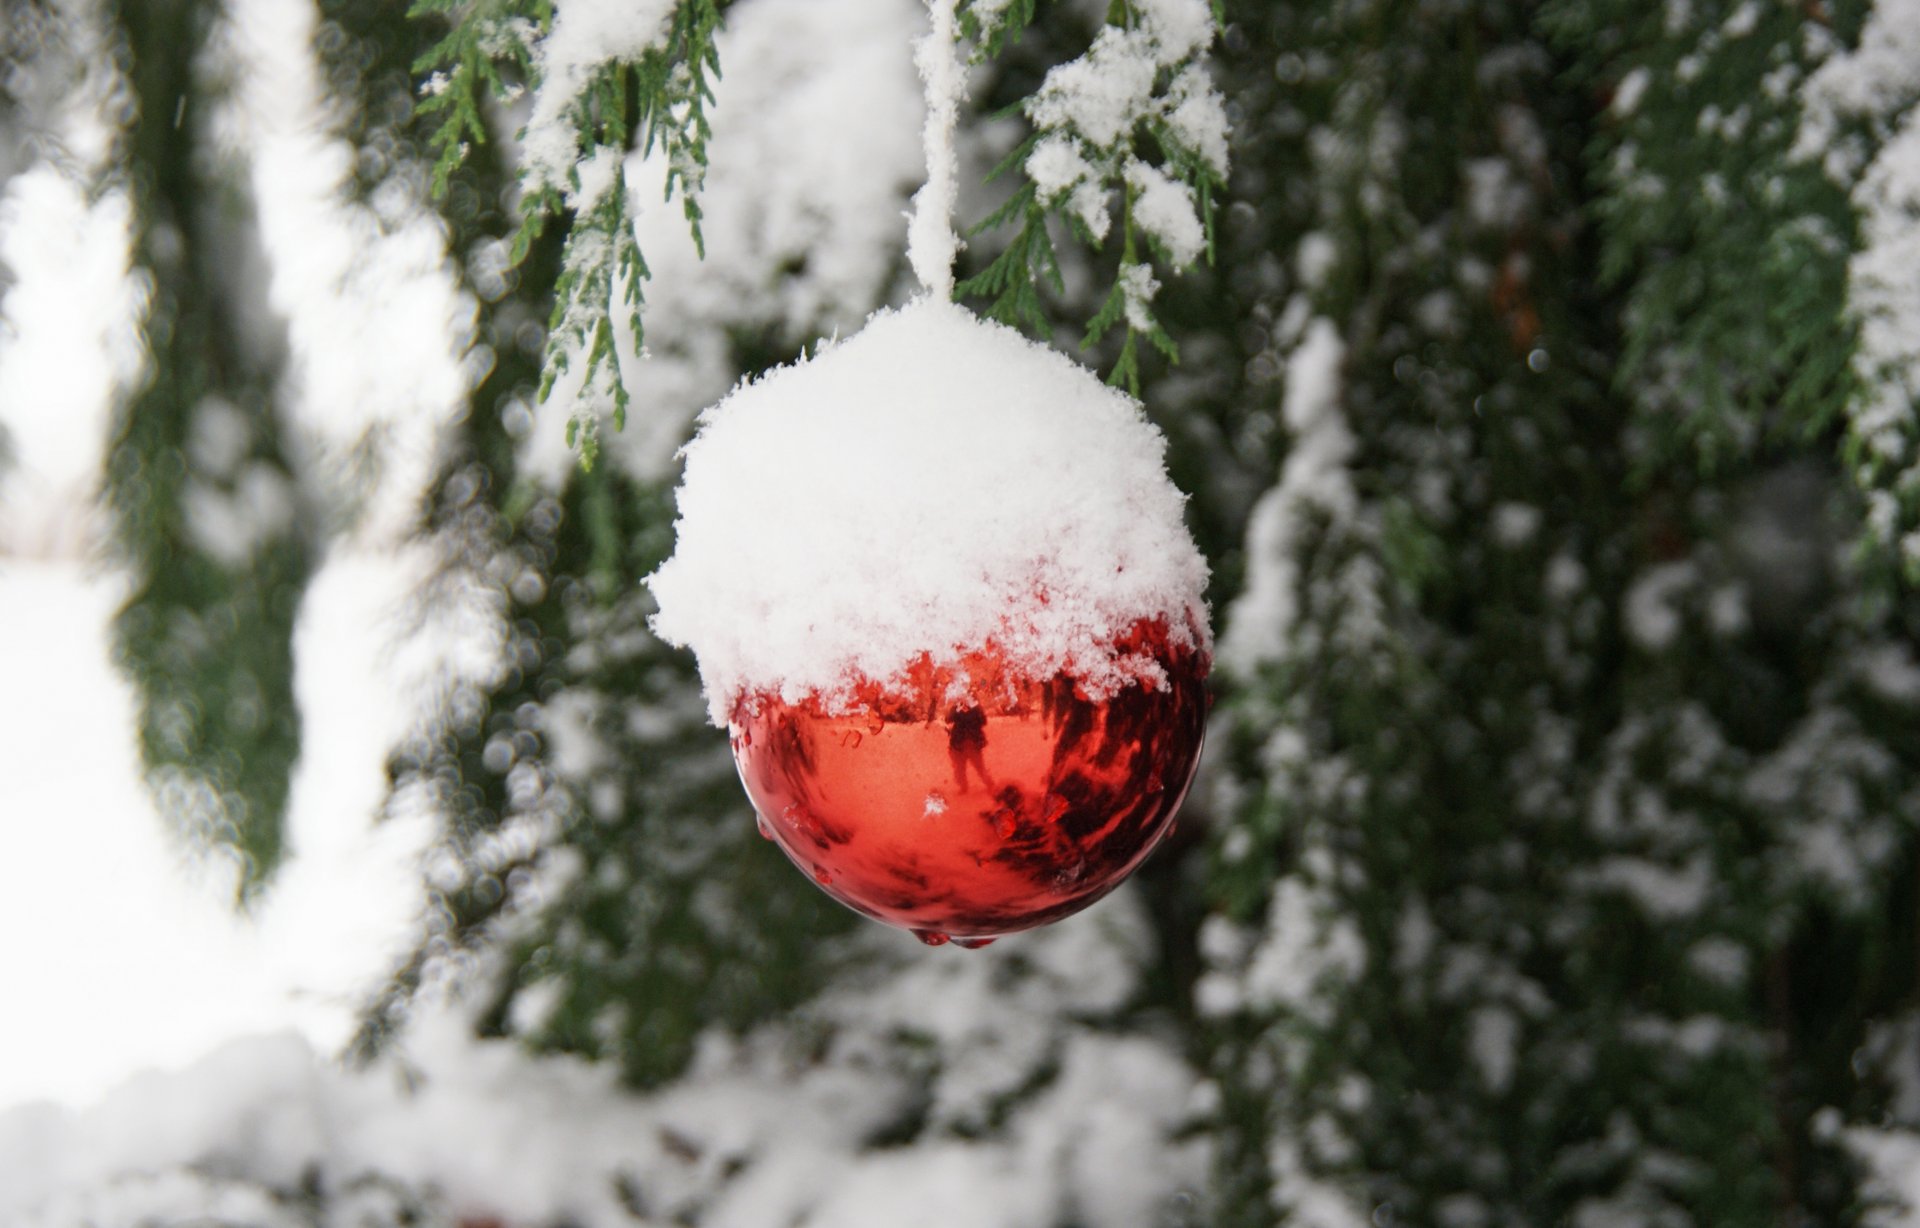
{"type": "Point", "coordinates": [1572, 789]}
{"type": "Point", "coordinates": [1543, 376]}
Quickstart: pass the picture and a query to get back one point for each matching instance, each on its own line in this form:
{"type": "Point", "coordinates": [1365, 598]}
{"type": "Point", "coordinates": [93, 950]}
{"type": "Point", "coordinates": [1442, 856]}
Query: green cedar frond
{"type": "Point", "coordinates": [657, 101]}
{"type": "Point", "coordinates": [1152, 140]}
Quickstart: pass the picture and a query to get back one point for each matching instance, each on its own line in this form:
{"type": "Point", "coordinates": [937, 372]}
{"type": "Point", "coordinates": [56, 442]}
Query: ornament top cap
{"type": "Point", "coordinates": [931, 485]}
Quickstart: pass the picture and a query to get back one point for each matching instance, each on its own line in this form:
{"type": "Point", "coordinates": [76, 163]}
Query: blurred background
{"type": "Point", "coordinates": [1547, 412]}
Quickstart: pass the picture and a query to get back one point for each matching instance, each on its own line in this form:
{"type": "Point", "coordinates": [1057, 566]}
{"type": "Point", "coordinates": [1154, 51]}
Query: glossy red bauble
{"type": "Point", "coordinates": [971, 802]}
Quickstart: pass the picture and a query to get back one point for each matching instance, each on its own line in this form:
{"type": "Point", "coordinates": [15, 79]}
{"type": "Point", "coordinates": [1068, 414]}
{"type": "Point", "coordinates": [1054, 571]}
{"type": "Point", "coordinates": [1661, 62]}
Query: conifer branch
{"type": "Point", "coordinates": [657, 100]}
{"type": "Point", "coordinates": [1162, 150]}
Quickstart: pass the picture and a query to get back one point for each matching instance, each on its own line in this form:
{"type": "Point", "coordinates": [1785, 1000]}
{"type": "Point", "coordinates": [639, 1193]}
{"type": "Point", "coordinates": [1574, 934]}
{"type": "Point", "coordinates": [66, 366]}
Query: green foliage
{"type": "Point", "coordinates": [657, 101]}
{"type": "Point", "coordinates": [606, 858]}
{"type": "Point", "coordinates": [1730, 250]}
{"type": "Point", "coordinates": [1519, 919]}
{"type": "Point", "coordinates": [598, 852]}
{"type": "Point", "coordinates": [1012, 281]}
{"type": "Point", "coordinates": [207, 630]}
{"type": "Point", "coordinates": [487, 54]}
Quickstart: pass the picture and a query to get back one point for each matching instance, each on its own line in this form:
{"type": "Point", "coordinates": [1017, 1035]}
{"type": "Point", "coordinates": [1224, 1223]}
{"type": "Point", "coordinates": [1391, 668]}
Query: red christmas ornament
{"type": "Point", "coordinates": [971, 802]}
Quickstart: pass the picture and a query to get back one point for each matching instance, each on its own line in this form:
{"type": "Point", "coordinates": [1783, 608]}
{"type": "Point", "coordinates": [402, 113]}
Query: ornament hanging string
{"type": "Point", "coordinates": [931, 241]}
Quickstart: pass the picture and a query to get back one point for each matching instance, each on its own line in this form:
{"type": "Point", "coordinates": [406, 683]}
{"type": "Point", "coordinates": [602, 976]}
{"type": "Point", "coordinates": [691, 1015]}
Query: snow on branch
{"type": "Point", "coordinates": [1135, 117]}
{"type": "Point", "coordinates": [608, 78]}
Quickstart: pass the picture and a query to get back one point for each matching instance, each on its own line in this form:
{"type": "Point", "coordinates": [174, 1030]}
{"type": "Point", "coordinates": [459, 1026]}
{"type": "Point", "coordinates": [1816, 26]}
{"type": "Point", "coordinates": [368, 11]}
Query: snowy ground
{"type": "Point", "coordinates": [127, 949]}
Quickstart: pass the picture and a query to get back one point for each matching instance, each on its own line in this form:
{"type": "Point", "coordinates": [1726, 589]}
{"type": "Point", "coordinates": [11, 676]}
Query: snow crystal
{"type": "Point", "coordinates": [587, 36]}
{"type": "Point", "coordinates": [1164, 208]}
{"type": "Point", "coordinates": [934, 484]}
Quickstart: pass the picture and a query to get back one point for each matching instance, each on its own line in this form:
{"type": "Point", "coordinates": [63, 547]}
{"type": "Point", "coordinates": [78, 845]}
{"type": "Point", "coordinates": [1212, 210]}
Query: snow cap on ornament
{"type": "Point", "coordinates": [935, 486]}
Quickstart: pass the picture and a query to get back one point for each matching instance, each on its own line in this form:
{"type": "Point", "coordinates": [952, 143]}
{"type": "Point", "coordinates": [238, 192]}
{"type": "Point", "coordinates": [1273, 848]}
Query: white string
{"type": "Point", "coordinates": [931, 242]}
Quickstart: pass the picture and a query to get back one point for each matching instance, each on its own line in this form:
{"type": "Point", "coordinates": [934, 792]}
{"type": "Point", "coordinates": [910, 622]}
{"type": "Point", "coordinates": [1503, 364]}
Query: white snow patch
{"type": "Point", "coordinates": [587, 35]}
{"type": "Point", "coordinates": [1493, 1037]}
{"type": "Point", "coordinates": [1165, 209]}
{"type": "Point", "coordinates": [1632, 88]}
{"type": "Point", "coordinates": [935, 484]}
{"type": "Point", "coordinates": [1306, 947]}
{"type": "Point", "coordinates": [1653, 616]}
{"type": "Point", "coordinates": [141, 958]}
{"type": "Point", "coordinates": [371, 304]}
{"type": "Point", "coordinates": [1891, 1185]}
{"type": "Point", "coordinates": [816, 146]}
{"type": "Point", "coordinates": [1664, 893]}
{"type": "Point", "coordinates": [1878, 81]}
{"type": "Point", "coordinates": [931, 241]}
{"type": "Point", "coordinates": [1308, 1201]}
{"type": "Point", "coordinates": [1313, 480]}
{"type": "Point", "coordinates": [69, 343]}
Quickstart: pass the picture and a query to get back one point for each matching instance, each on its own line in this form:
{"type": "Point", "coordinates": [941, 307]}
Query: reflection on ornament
{"type": "Point", "coordinates": [970, 802]}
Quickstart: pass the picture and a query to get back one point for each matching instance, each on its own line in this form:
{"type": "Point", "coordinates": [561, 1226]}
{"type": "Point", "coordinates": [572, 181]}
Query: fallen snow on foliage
{"type": "Point", "coordinates": [1313, 482]}
{"type": "Point", "coordinates": [931, 241]}
{"type": "Point", "coordinates": [1891, 1181]}
{"type": "Point", "coordinates": [932, 485]}
{"type": "Point", "coordinates": [1106, 93]}
{"type": "Point", "coordinates": [816, 146]}
{"type": "Point", "coordinates": [1878, 83]}
{"type": "Point", "coordinates": [587, 36]}
{"type": "Point", "coordinates": [1025, 1121]}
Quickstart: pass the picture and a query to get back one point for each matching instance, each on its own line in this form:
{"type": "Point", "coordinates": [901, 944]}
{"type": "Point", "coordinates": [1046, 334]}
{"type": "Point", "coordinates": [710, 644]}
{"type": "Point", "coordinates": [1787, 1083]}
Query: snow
{"type": "Point", "coordinates": [931, 241]}
{"type": "Point", "coordinates": [587, 36]}
{"type": "Point", "coordinates": [816, 144]}
{"type": "Point", "coordinates": [1104, 93]}
{"type": "Point", "coordinates": [1891, 1183]}
{"type": "Point", "coordinates": [774, 1128]}
{"type": "Point", "coordinates": [1196, 117]}
{"type": "Point", "coordinates": [1165, 210]}
{"type": "Point", "coordinates": [934, 484]}
{"type": "Point", "coordinates": [372, 281]}
{"type": "Point", "coordinates": [67, 341]}
{"type": "Point", "coordinates": [1056, 165]}
{"type": "Point", "coordinates": [1313, 480]}
{"type": "Point", "coordinates": [137, 922]}
{"type": "Point", "coordinates": [1138, 285]}
{"type": "Point", "coordinates": [1493, 1036]}
{"type": "Point", "coordinates": [1305, 949]}
{"type": "Point", "coordinates": [1651, 609]}
{"type": "Point", "coordinates": [1878, 82]}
